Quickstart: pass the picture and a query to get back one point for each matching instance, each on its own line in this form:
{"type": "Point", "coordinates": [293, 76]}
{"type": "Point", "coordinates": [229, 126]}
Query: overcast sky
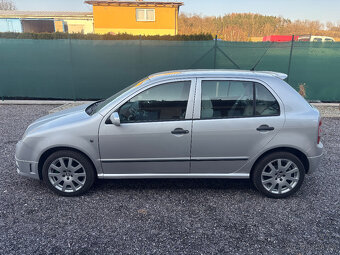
{"type": "Point", "coordinates": [323, 10]}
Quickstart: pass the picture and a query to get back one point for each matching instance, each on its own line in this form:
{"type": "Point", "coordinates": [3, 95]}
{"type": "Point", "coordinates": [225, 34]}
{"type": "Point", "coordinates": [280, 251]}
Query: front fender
{"type": "Point", "coordinates": [87, 146]}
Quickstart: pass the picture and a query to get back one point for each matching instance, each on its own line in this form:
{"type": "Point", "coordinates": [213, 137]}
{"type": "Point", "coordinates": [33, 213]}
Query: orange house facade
{"type": "Point", "coordinates": [135, 17]}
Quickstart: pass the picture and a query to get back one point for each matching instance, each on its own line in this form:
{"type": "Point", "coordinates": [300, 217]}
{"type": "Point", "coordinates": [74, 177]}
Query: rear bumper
{"type": "Point", "coordinates": [314, 163]}
{"type": "Point", "coordinates": [314, 158]}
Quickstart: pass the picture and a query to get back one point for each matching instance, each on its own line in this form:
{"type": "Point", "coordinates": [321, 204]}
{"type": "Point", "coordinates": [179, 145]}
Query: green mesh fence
{"type": "Point", "coordinates": [80, 69]}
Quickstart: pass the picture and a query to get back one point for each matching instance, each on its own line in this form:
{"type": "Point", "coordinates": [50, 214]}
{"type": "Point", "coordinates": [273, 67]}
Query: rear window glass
{"type": "Point", "coordinates": [235, 99]}
{"type": "Point", "coordinates": [266, 104]}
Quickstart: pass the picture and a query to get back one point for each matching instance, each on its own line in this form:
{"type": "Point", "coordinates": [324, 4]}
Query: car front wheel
{"type": "Point", "coordinates": [68, 173]}
{"type": "Point", "coordinates": [278, 175]}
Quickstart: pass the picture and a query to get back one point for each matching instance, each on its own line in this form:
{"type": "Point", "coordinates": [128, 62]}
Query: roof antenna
{"type": "Point", "coordinates": [253, 68]}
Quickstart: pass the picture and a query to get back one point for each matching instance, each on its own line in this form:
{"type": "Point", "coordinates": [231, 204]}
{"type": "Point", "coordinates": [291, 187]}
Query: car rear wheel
{"type": "Point", "coordinates": [278, 175]}
{"type": "Point", "coordinates": [68, 173]}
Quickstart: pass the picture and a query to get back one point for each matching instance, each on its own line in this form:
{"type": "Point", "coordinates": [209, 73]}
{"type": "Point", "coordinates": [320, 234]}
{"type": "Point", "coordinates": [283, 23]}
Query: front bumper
{"type": "Point", "coordinates": [25, 168]}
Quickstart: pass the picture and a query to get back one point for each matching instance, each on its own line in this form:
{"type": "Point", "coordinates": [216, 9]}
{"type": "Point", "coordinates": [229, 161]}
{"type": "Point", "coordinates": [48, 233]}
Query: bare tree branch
{"type": "Point", "coordinates": [7, 5]}
{"type": "Point", "coordinates": [243, 26]}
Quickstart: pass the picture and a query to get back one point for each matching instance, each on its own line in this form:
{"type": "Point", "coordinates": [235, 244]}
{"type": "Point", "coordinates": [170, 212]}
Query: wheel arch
{"type": "Point", "coordinates": [302, 156]}
{"type": "Point", "coordinates": [48, 152]}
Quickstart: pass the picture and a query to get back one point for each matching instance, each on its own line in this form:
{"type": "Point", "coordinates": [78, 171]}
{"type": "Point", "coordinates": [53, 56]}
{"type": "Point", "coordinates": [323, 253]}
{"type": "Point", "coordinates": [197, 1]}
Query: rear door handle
{"type": "Point", "coordinates": [179, 131]}
{"type": "Point", "coordinates": [265, 128]}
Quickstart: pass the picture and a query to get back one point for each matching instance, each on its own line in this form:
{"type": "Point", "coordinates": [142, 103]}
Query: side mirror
{"type": "Point", "coordinates": [114, 118]}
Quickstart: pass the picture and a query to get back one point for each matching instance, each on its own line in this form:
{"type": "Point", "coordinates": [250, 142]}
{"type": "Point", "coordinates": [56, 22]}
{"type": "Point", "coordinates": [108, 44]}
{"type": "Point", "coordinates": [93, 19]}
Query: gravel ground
{"type": "Point", "coordinates": [328, 109]}
{"type": "Point", "coordinates": [166, 216]}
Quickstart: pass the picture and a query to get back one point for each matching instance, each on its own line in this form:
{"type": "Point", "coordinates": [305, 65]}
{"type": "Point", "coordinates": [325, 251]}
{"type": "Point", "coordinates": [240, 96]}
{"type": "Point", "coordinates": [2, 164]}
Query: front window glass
{"type": "Point", "coordinates": [166, 102]}
{"type": "Point", "coordinates": [226, 99]}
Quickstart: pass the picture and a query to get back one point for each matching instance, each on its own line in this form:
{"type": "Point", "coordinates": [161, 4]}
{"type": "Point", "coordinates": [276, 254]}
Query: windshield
{"type": "Point", "coordinates": [97, 106]}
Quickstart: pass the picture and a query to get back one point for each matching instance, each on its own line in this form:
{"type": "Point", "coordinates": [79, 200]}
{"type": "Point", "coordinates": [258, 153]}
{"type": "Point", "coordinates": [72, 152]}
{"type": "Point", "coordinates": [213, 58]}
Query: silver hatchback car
{"type": "Point", "coordinates": [180, 124]}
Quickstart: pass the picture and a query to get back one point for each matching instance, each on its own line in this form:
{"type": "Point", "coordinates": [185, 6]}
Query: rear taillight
{"type": "Point", "coordinates": [319, 131]}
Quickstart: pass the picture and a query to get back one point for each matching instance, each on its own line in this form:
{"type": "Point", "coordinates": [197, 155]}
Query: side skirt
{"type": "Point", "coordinates": [189, 175]}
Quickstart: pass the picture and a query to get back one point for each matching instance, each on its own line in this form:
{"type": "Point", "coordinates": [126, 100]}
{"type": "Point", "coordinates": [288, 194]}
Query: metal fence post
{"type": "Point", "coordinates": [72, 70]}
{"type": "Point", "coordinates": [140, 48]}
{"type": "Point", "coordinates": [139, 67]}
{"type": "Point", "coordinates": [290, 57]}
{"type": "Point", "coordinates": [215, 51]}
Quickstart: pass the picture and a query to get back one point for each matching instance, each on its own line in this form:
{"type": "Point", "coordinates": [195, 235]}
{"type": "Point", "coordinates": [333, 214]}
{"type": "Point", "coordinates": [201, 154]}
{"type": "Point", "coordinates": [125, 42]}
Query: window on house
{"type": "Point", "coordinates": [145, 14]}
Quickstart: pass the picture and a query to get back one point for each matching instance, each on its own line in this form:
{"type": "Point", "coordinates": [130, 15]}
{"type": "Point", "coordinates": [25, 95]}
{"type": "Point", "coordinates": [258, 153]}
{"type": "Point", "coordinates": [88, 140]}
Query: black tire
{"type": "Point", "coordinates": [262, 167]}
{"type": "Point", "coordinates": [86, 168]}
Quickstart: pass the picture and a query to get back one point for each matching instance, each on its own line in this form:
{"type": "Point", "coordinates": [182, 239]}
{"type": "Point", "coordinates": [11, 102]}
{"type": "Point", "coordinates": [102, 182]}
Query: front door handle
{"type": "Point", "coordinates": [179, 131]}
{"type": "Point", "coordinates": [265, 128]}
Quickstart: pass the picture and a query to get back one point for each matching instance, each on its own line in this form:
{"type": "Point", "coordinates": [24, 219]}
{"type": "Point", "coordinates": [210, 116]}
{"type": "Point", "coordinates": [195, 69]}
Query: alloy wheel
{"type": "Point", "coordinates": [280, 176]}
{"type": "Point", "coordinates": [67, 174]}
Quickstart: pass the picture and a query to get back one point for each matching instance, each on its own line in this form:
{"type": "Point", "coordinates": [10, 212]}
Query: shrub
{"type": "Point", "coordinates": [58, 35]}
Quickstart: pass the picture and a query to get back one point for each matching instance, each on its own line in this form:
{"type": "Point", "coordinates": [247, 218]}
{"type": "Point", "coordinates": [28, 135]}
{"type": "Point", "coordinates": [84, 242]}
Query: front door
{"type": "Point", "coordinates": [154, 136]}
{"type": "Point", "coordinates": [233, 120]}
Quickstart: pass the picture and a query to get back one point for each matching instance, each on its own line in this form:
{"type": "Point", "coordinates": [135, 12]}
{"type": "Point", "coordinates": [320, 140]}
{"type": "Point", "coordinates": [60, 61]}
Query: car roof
{"type": "Point", "coordinates": [206, 73]}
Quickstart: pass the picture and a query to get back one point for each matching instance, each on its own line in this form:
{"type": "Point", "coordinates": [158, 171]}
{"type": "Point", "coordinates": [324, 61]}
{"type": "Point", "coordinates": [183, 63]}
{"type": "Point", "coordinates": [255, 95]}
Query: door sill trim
{"type": "Point", "coordinates": [190, 175]}
{"type": "Point", "coordinates": [174, 159]}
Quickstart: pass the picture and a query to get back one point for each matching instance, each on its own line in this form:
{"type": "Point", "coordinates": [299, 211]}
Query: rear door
{"type": "Point", "coordinates": [233, 120]}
